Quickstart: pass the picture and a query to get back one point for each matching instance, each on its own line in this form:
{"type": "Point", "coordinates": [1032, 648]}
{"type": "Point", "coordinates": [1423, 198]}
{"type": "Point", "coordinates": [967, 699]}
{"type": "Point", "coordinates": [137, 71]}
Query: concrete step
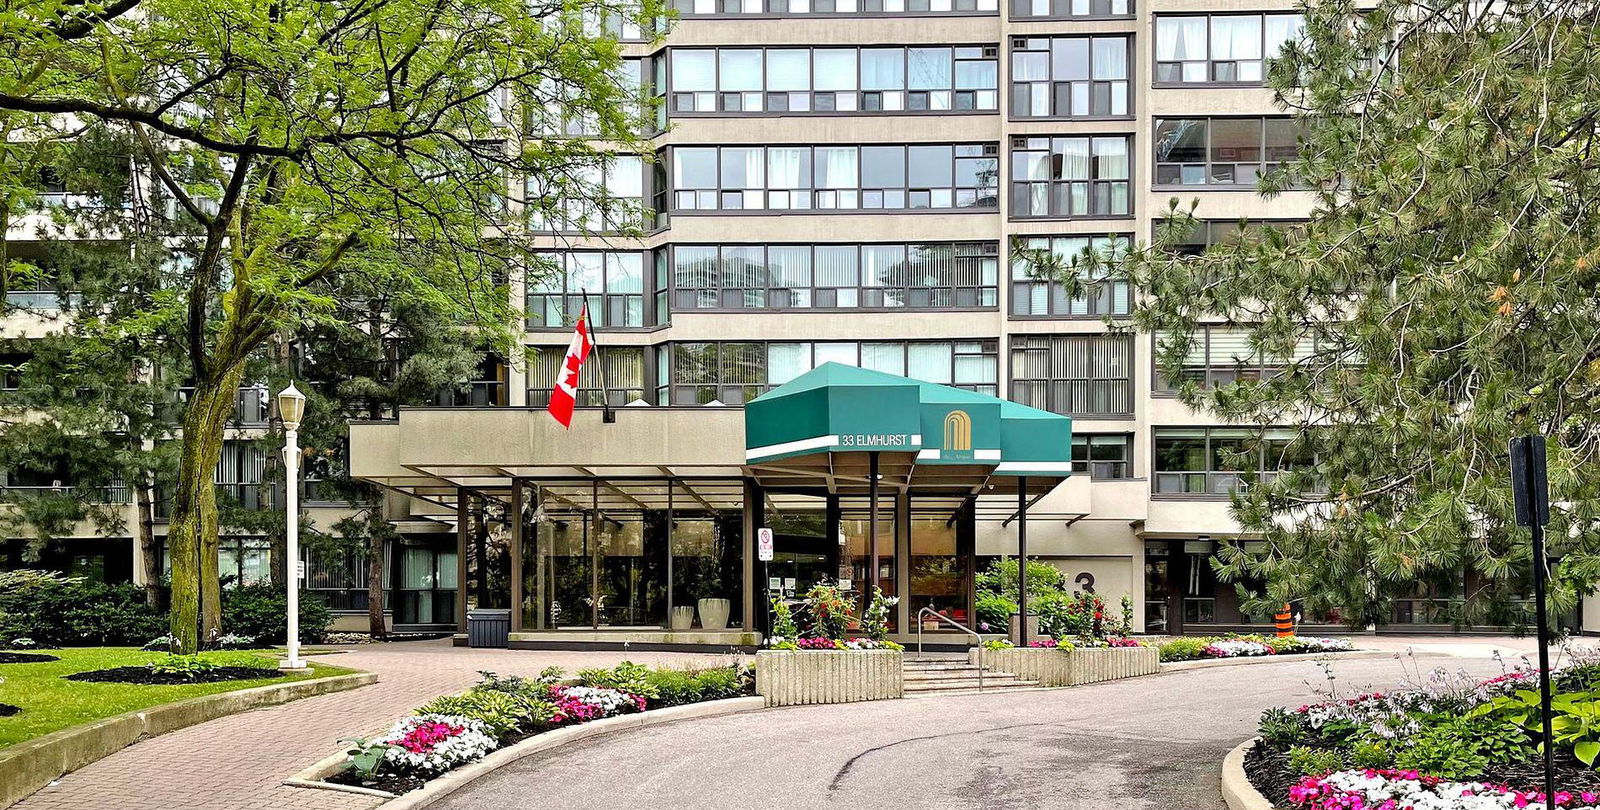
{"type": "Point", "coordinates": [910, 665]}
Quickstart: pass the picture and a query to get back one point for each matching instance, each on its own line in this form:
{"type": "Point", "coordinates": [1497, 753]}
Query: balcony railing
{"type": "Point", "coordinates": [115, 494]}
{"type": "Point", "coordinates": [476, 394]}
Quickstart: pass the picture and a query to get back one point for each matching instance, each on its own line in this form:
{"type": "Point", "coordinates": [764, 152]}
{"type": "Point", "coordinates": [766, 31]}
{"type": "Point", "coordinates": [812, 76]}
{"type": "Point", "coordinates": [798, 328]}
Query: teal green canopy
{"type": "Point", "coordinates": [836, 408]}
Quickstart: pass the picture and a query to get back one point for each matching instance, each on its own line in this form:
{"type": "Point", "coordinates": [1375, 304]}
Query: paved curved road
{"type": "Point", "coordinates": [1153, 743]}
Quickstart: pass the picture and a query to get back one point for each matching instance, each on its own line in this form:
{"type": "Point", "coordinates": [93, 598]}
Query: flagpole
{"type": "Point", "coordinates": [606, 414]}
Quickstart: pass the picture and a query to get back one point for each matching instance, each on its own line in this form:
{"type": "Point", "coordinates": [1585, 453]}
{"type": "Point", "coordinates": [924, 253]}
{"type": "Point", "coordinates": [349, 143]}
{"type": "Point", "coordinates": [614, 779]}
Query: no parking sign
{"type": "Point", "coordinates": [764, 544]}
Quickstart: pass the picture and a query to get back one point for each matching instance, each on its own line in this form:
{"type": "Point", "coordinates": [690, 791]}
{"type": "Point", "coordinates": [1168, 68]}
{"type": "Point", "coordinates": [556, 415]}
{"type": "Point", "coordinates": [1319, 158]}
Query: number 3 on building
{"type": "Point", "coordinates": [1085, 579]}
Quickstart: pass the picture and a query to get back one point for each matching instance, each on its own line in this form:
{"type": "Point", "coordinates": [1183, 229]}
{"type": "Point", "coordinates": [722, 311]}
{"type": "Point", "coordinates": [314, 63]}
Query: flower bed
{"type": "Point", "coordinates": [453, 730]}
{"type": "Point", "coordinates": [1439, 741]}
{"type": "Point", "coordinates": [1198, 648]}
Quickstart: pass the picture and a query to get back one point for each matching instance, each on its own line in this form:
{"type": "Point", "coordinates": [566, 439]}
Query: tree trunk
{"type": "Point", "coordinates": [149, 547]}
{"type": "Point", "coordinates": [196, 615]}
{"type": "Point", "coordinates": [375, 570]}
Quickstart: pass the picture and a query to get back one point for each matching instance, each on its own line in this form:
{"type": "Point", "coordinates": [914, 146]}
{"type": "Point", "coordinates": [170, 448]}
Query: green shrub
{"type": "Point", "coordinates": [1306, 761]}
{"type": "Point", "coordinates": [1183, 649]}
{"type": "Point", "coordinates": [1370, 753]}
{"type": "Point", "coordinates": [261, 611]}
{"type": "Point", "coordinates": [994, 612]}
{"type": "Point", "coordinates": [1447, 749]}
{"type": "Point", "coordinates": [676, 687]}
{"type": "Point", "coordinates": [1281, 728]}
{"type": "Point", "coordinates": [55, 611]}
{"type": "Point", "coordinates": [505, 713]}
{"type": "Point", "coordinates": [626, 676]}
{"type": "Point", "coordinates": [186, 666]}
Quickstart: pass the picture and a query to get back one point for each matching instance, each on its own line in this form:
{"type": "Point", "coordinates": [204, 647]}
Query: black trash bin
{"type": "Point", "coordinates": [488, 627]}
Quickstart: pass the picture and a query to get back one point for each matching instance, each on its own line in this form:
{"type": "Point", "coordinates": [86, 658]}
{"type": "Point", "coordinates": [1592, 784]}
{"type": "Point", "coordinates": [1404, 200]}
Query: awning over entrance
{"type": "Point", "coordinates": [927, 435]}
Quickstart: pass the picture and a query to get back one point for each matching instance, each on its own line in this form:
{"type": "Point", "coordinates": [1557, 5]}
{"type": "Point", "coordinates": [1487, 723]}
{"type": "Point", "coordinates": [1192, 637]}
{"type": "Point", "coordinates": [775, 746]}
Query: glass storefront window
{"type": "Point", "coordinates": [632, 563]}
{"type": "Point", "coordinates": [428, 582]}
{"type": "Point", "coordinates": [854, 524]}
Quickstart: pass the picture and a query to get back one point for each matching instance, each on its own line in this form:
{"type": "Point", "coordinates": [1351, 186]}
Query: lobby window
{"type": "Point", "coordinates": [786, 178]}
{"type": "Point", "coordinates": [737, 8]}
{"type": "Point", "coordinates": [1070, 77]}
{"type": "Point", "coordinates": [1221, 48]}
{"type": "Point", "coordinates": [240, 560]}
{"type": "Point", "coordinates": [1035, 296]}
{"type": "Point", "coordinates": [1221, 151]}
{"type": "Point", "coordinates": [734, 373]}
{"type": "Point", "coordinates": [1219, 355]}
{"type": "Point", "coordinates": [485, 389]}
{"type": "Point", "coordinates": [1070, 9]}
{"type": "Point", "coordinates": [1066, 177]}
{"type": "Point", "coordinates": [1103, 457]}
{"type": "Point", "coordinates": [623, 377]}
{"type": "Point", "coordinates": [892, 276]}
{"type": "Point", "coordinates": [833, 80]}
{"type": "Point", "coordinates": [619, 183]}
{"type": "Point", "coordinates": [1073, 374]}
{"type": "Point", "coordinates": [1217, 461]}
{"type": "Point", "coordinates": [614, 281]}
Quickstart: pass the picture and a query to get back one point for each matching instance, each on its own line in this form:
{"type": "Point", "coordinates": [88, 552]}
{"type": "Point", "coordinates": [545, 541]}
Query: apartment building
{"type": "Point", "coordinates": [853, 182]}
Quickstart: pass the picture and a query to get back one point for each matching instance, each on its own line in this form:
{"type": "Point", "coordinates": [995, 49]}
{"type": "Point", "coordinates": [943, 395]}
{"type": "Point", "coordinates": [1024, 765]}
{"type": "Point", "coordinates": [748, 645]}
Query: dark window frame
{"type": "Point", "coordinates": [687, 299]}
{"type": "Point", "coordinates": [1098, 194]}
{"type": "Point", "coordinates": [1022, 90]}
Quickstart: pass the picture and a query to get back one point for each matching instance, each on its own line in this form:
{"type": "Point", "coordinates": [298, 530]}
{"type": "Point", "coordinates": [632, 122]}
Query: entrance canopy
{"type": "Point", "coordinates": [825, 423]}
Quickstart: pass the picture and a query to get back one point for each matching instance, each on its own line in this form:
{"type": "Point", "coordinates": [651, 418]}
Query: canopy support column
{"type": "Point", "coordinates": [463, 517]}
{"type": "Point", "coordinates": [872, 532]}
{"type": "Point", "coordinates": [1022, 562]}
{"type": "Point", "coordinates": [517, 532]}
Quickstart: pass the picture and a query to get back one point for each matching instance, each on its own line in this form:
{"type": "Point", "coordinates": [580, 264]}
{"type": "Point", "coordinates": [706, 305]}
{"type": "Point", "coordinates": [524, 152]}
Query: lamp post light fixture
{"type": "Point", "coordinates": [291, 407]}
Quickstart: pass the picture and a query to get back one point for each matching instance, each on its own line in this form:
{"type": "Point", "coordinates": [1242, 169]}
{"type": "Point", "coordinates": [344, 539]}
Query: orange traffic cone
{"type": "Point", "coordinates": [1285, 622]}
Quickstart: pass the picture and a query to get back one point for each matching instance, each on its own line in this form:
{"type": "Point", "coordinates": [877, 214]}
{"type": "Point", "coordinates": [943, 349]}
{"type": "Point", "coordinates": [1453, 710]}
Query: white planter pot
{"type": "Point", "coordinates": [682, 618]}
{"type": "Point", "coordinates": [714, 614]}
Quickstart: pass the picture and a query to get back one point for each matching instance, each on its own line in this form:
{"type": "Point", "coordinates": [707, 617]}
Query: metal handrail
{"type": "Point", "coordinates": [959, 626]}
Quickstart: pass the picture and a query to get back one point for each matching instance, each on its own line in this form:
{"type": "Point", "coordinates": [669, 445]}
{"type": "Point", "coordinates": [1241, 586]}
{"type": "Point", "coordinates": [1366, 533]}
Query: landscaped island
{"type": "Point", "coordinates": [454, 730]}
{"type": "Point", "coordinates": [1441, 741]}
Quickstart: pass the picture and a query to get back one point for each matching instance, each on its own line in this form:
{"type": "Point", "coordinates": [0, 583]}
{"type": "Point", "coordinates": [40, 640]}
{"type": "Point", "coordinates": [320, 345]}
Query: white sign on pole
{"type": "Point", "coordinates": [764, 544]}
{"type": "Point", "coordinates": [300, 569]}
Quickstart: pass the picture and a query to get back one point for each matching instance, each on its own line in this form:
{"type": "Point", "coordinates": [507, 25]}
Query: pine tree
{"type": "Point", "coordinates": [1443, 298]}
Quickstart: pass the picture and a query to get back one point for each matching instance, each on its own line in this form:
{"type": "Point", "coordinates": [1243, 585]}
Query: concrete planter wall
{"type": "Point", "coordinates": [1053, 667]}
{"type": "Point", "coordinates": [786, 678]}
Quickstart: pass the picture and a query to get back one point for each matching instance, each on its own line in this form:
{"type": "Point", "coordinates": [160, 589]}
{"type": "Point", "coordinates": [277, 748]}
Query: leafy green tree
{"type": "Point", "coordinates": [306, 142]}
{"type": "Point", "coordinates": [1441, 300]}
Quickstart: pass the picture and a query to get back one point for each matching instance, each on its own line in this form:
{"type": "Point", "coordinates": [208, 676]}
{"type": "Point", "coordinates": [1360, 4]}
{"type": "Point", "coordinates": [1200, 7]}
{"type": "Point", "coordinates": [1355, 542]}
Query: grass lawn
{"type": "Point", "coordinates": [50, 702]}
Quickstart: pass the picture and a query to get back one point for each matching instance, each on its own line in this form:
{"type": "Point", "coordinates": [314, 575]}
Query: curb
{"type": "Point", "coordinates": [34, 764]}
{"type": "Point", "coordinates": [1206, 663]}
{"type": "Point", "coordinates": [1236, 788]}
{"type": "Point", "coordinates": [458, 778]}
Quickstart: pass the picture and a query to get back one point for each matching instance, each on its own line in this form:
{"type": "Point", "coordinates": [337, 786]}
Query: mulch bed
{"type": "Point", "coordinates": [1268, 771]}
{"type": "Point", "coordinates": [25, 658]}
{"type": "Point", "coordinates": [393, 783]}
{"type": "Point", "coordinates": [143, 675]}
{"type": "Point", "coordinates": [6, 709]}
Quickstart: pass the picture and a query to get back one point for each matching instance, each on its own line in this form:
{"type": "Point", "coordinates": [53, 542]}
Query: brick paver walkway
{"type": "Point", "coordinates": [239, 762]}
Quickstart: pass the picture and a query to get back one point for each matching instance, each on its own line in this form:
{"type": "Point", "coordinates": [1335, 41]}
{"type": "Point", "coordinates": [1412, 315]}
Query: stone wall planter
{"type": "Point", "coordinates": [1054, 667]}
{"type": "Point", "coordinates": [785, 678]}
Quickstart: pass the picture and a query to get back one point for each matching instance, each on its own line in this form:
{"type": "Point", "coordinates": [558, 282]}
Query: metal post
{"type": "Point", "coordinates": [607, 415]}
{"type": "Point", "coordinates": [517, 535]}
{"type": "Point", "coordinates": [1022, 562]}
{"type": "Point", "coordinates": [291, 468]}
{"type": "Point", "coordinates": [1540, 574]}
{"type": "Point", "coordinates": [1531, 501]}
{"type": "Point", "coordinates": [872, 533]}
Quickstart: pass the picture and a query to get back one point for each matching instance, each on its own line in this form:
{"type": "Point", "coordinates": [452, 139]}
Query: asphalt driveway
{"type": "Point", "coordinates": [1154, 742]}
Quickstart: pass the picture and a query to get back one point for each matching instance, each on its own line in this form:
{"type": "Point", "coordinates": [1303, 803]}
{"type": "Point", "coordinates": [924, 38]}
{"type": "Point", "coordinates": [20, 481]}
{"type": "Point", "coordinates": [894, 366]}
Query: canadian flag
{"type": "Point", "coordinates": [564, 396]}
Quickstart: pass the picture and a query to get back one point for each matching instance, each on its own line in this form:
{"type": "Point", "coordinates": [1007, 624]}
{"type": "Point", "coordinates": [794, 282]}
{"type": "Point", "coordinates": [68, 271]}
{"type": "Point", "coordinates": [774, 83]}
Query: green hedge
{"type": "Point", "coordinates": [59, 611]}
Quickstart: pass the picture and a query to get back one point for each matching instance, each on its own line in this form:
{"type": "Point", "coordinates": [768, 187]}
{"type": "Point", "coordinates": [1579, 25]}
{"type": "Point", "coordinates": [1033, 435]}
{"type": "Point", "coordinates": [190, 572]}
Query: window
{"type": "Point", "coordinates": [1035, 296]}
{"type": "Point", "coordinates": [1221, 48]}
{"type": "Point", "coordinates": [623, 377]}
{"type": "Point", "coordinates": [239, 473]}
{"type": "Point", "coordinates": [1069, 77]}
{"type": "Point", "coordinates": [1070, 177]}
{"type": "Point", "coordinates": [608, 196]}
{"type": "Point", "coordinates": [783, 178]}
{"type": "Point", "coordinates": [1219, 355]}
{"type": "Point", "coordinates": [840, 8]}
{"type": "Point", "coordinates": [1222, 151]}
{"type": "Point", "coordinates": [1216, 231]}
{"type": "Point", "coordinates": [829, 80]}
{"type": "Point", "coordinates": [1217, 461]}
{"type": "Point", "coordinates": [614, 281]}
{"type": "Point", "coordinates": [922, 276]}
{"type": "Point", "coordinates": [338, 577]}
{"type": "Point", "coordinates": [734, 373]}
{"type": "Point", "coordinates": [1103, 457]}
{"type": "Point", "coordinates": [240, 560]}
{"type": "Point", "coordinates": [1070, 9]}
{"type": "Point", "coordinates": [1073, 374]}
